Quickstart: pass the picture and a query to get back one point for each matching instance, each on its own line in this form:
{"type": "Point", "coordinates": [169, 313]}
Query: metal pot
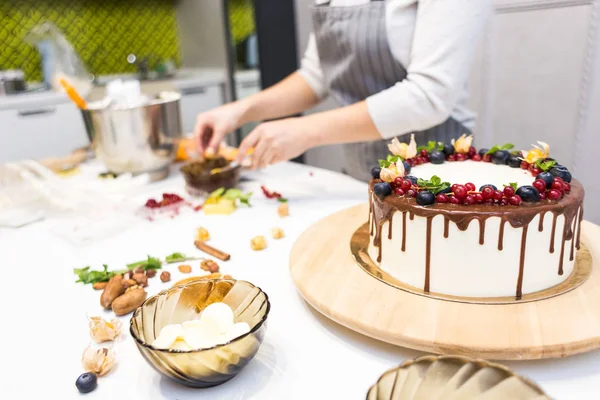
{"type": "Point", "coordinates": [138, 139]}
{"type": "Point", "coordinates": [12, 82]}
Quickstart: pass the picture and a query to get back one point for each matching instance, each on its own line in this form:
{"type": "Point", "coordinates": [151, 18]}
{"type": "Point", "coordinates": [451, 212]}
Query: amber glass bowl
{"type": "Point", "coordinates": [201, 182]}
{"type": "Point", "coordinates": [206, 367]}
{"type": "Point", "coordinates": [453, 377]}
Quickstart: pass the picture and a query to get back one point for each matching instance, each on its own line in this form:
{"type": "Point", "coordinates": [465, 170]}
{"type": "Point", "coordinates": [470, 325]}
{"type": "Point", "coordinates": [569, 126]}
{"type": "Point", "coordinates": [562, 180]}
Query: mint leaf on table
{"type": "Point", "coordinates": [217, 193]}
{"type": "Point", "coordinates": [282, 200]}
{"type": "Point", "coordinates": [150, 263]}
{"type": "Point", "coordinates": [175, 257]}
{"type": "Point", "coordinates": [90, 277]}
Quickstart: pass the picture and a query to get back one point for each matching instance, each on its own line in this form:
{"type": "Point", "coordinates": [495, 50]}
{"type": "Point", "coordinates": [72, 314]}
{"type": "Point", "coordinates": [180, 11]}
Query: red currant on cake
{"type": "Point", "coordinates": [540, 185]}
{"type": "Point", "coordinates": [470, 186]}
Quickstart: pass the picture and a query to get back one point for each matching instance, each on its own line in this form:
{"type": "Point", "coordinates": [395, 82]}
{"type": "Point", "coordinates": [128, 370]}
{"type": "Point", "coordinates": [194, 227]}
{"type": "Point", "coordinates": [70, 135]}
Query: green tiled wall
{"type": "Point", "coordinates": [103, 32]}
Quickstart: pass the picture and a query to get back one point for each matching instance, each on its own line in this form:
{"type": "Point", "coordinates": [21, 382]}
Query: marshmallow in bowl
{"type": "Point", "coordinates": [215, 326]}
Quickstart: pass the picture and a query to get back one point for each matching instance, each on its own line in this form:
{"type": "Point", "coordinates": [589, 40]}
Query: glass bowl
{"type": "Point", "coordinates": [206, 367]}
{"type": "Point", "coordinates": [453, 377]}
{"type": "Point", "coordinates": [202, 183]}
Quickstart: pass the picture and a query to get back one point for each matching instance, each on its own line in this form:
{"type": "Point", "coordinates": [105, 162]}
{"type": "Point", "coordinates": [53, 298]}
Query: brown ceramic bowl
{"type": "Point", "coordinates": [206, 367]}
{"type": "Point", "coordinates": [200, 181]}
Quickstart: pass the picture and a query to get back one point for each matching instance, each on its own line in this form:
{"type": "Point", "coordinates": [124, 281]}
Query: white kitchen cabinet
{"type": "Point", "coordinates": [247, 83]}
{"type": "Point", "coordinates": [37, 132]}
{"type": "Point", "coordinates": [195, 100]}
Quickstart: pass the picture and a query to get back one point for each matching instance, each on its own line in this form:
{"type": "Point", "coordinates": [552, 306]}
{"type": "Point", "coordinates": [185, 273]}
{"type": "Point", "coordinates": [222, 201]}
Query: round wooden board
{"type": "Point", "coordinates": [329, 279]}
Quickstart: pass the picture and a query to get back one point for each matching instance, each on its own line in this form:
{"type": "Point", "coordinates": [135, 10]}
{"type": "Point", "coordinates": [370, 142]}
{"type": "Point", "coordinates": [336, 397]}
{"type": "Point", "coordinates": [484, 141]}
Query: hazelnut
{"type": "Point", "coordinates": [185, 269]}
{"type": "Point", "coordinates": [277, 233]}
{"type": "Point", "coordinates": [165, 276]}
{"type": "Point", "coordinates": [127, 275]}
{"type": "Point", "coordinates": [139, 271]}
{"type": "Point", "coordinates": [283, 210]}
{"type": "Point", "coordinates": [258, 243]}
{"type": "Point", "coordinates": [210, 266]}
{"type": "Point", "coordinates": [141, 279]}
{"type": "Point", "coordinates": [151, 273]}
{"type": "Point", "coordinates": [202, 235]}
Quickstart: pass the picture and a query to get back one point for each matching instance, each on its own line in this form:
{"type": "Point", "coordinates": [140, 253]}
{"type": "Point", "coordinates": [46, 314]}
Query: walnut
{"type": "Point", "coordinates": [202, 235]}
{"type": "Point", "coordinates": [165, 276]}
{"type": "Point", "coordinates": [210, 266]}
{"type": "Point", "coordinates": [258, 243]}
{"type": "Point", "coordinates": [151, 273]}
{"type": "Point", "coordinates": [283, 210]}
{"type": "Point", "coordinates": [185, 269]}
{"type": "Point", "coordinates": [277, 233]}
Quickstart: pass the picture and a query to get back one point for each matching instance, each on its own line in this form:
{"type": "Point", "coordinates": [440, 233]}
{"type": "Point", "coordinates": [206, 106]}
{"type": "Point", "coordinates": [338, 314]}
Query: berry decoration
{"type": "Point", "coordinates": [514, 161]}
{"type": "Point", "coordinates": [508, 191]}
{"type": "Point", "coordinates": [448, 149]}
{"type": "Point", "coordinates": [460, 192]}
{"type": "Point", "coordinates": [528, 194]}
{"type": "Point", "coordinates": [399, 192]}
{"type": "Point", "coordinates": [515, 200]}
{"type": "Point", "coordinates": [382, 189]}
{"type": "Point", "coordinates": [451, 157]}
{"type": "Point", "coordinates": [425, 198]}
{"type": "Point", "coordinates": [375, 172]}
{"type": "Point", "coordinates": [412, 179]}
{"type": "Point", "coordinates": [476, 157]}
{"type": "Point", "coordinates": [500, 157]}
{"type": "Point", "coordinates": [562, 172]}
{"type": "Point", "coordinates": [407, 167]}
{"type": "Point", "coordinates": [554, 194]}
{"type": "Point", "coordinates": [461, 157]}
{"type": "Point", "coordinates": [546, 177]}
{"type": "Point", "coordinates": [406, 184]}
{"type": "Point", "coordinates": [540, 185]}
{"type": "Point", "coordinates": [437, 157]}
{"type": "Point", "coordinates": [470, 186]}
{"type": "Point", "coordinates": [442, 198]}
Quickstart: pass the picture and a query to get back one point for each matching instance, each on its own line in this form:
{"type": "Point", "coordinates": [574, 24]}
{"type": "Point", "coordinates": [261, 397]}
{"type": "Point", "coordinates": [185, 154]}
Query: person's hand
{"type": "Point", "coordinates": [275, 141]}
{"type": "Point", "coordinates": [212, 126]}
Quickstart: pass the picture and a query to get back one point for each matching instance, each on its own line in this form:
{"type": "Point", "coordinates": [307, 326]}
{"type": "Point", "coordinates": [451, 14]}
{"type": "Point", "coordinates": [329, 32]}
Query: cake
{"type": "Point", "coordinates": [451, 220]}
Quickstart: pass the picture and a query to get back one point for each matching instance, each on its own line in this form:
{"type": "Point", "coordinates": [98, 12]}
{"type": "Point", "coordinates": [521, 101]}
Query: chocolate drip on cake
{"type": "Point", "coordinates": [403, 231]}
{"type": "Point", "coordinates": [428, 254]}
{"type": "Point", "coordinates": [541, 224]}
{"type": "Point", "coordinates": [481, 231]}
{"type": "Point", "coordinates": [522, 263]}
{"type": "Point", "coordinates": [446, 227]}
{"type": "Point", "coordinates": [501, 235]}
{"type": "Point", "coordinates": [570, 207]}
{"type": "Point", "coordinates": [390, 226]}
{"type": "Point", "coordinates": [553, 233]}
{"type": "Point", "coordinates": [579, 227]}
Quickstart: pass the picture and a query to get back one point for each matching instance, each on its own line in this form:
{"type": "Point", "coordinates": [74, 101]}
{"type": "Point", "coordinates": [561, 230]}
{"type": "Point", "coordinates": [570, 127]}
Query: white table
{"type": "Point", "coordinates": [304, 355]}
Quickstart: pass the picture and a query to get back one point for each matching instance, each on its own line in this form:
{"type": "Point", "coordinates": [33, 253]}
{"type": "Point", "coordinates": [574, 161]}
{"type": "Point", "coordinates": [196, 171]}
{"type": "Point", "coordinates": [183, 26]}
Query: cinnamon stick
{"type": "Point", "coordinates": [212, 251]}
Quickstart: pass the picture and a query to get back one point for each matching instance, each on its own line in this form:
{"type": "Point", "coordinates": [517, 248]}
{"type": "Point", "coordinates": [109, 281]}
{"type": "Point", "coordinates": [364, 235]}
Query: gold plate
{"type": "Point", "coordinates": [453, 377]}
{"type": "Point", "coordinates": [359, 245]}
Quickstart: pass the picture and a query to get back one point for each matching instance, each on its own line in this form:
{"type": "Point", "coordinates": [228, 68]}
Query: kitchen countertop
{"type": "Point", "coordinates": [184, 78]}
{"type": "Point", "coordinates": [304, 355]}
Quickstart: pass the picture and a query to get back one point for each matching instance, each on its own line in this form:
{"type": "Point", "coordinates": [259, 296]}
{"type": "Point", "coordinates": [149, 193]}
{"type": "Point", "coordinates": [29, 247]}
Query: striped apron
{"type": "Point", "coordinates": [357, 62]}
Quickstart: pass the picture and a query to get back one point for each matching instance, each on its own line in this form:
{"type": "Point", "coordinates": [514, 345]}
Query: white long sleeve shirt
{"type": "Point", "coordinates": [435, 40]}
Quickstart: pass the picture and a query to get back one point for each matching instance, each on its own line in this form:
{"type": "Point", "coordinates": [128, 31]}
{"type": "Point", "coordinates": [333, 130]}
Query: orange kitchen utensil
{"type": "Point", "coordinates": [73, 95]}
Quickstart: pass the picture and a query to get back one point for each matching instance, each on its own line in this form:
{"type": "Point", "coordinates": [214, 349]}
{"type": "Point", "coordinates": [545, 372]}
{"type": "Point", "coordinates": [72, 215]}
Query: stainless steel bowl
{"type": "Point", "coordinates": [137, 139]}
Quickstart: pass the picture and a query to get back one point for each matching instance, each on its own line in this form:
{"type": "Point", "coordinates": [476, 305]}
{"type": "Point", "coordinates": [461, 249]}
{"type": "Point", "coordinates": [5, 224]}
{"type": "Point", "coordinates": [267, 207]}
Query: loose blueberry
{"type": "Point", "coordinates": [437, 157]}
{"type": "Point", "coordinates": [482, 152]}
{"type": "Point", "coordinates": [407, 167]}
{"type": "Point", "coordinates": [382, 189]}
{"type": "Point", "coordinates": [375, 172]}
{"type": "Point", "coordinates": [412, 179]}
{"type": "Point", "coordinates": [500, 157]}
{"type": "Point", "coordinates": [562, 172]}
{"type": "Point", "coordinates": [528, 194]}
{"type": "Point", "coordinates": [425, 198]}
{"type": "Point", "coordinates": [488, 185]}
{"type": "Point", "coordinates": [514, 161]}
{"type": "Point", "coordinates": [546, 177]}
{"type": "Point", "coordinates": [86, 382]}
{"type": "Point", "coordinates": [448, 149]}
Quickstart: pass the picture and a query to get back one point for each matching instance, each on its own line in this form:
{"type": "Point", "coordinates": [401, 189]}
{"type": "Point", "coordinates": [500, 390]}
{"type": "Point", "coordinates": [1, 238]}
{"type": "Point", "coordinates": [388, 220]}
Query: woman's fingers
{"type": "Point", "coordinates": [248, 143]}
{"type": "Point", "coordinates": [215, 141]}
{"type": "Point", "coordinates": [202, 132]}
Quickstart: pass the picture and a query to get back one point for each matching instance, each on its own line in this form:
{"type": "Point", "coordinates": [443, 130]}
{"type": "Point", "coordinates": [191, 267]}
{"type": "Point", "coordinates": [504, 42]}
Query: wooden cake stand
{"type": "Point", "coordinates": [329, 278]}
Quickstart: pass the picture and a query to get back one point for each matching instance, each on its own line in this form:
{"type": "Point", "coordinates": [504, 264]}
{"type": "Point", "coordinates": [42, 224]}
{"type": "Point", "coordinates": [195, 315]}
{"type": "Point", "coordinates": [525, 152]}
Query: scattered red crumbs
{"type": "Point", "coordinates": [198, 208]}
{"type": "Point", "coordinates": [311, 173]}
{"type": "Point", "coordinates": [168, 199]}
{"type": "Point", "coordinates": [270, 195]}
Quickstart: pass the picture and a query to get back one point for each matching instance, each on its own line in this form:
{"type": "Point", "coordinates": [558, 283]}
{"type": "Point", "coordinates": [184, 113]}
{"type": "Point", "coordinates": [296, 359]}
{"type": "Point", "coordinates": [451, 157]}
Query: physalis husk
{"type": "Point", "coordinates": [104, 331]}
{"type": "Point", "coordinates": [98, 361]}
